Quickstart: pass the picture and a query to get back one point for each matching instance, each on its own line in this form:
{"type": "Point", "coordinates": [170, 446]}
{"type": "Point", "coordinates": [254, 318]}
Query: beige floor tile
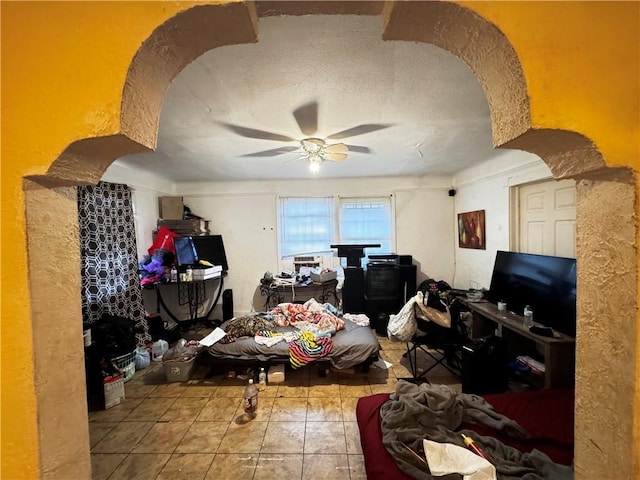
{"type": "Point", "coordinates": [243, 438]}
{"type": "Point", "coordinates": [349, 408]}
{"type": "Point", "coordinates": [352, 435]}
{"type": "Point", "coordinates": [162, 438]}
{"type": "Point", "coordinates": [324, 437]}
{"type": "Point", "coordinates": [324, 410]}
{"type": "Point", "coordinates": [140, 466]}
{"type": "Point", "coordinates": [104, 464]}
{"type": "Point", "coordinates": [229, 391]}
{"type": "Point", "coordinates": [184, 409]}
{"type": "Point", "coordinates": [99, 430]}
{"type": "Point", "coordinates": [199, 390]}
{"type": "Point", "coordinates": [325, 467]}
{"type": "Point", "coordinates": [116, 413]}
{"type": "Point", "coordinates": [186, 467]}
{"type": "Point", "coordinates": [284, 437]}
{"type": "Point", "coordinates": [265, 406]}
{"type": "Point", "coordinates": [138, 389]}
{"type": "Point", "coordinates": [270, 391]}
{"type": "Point", "coordinates": [173, 389]}
{"type": "Point", "coordinates": [388, 386]}
{"type": "Point", "coordinates": [356, 467]}
{"type": "Point", "coordinates": [219, 410]}
{"type": "Point", "coordinates": [297, 391]}
{"type": "Point", "coordinates": [123, 438]}
{"type": "Point", "coordinates": [289, 410]}
{"type": "Point", "coordinates": [355, 390]}
{"type": "Point", "coordinates": [324, 390]}
{"type": "Point", "coordinates": [232, 467]}
{"type": "Point", "coordinates": [150, 410]}
{"type": "Point", "coordinates": [203, 437]}
{"type": "Point", "coordinates": [278, 466]}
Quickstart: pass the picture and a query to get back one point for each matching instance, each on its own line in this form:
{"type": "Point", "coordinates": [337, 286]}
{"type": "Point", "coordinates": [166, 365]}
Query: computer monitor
{"type": "Point", "coordinates": [186, 254]}
{"type": "Point", "coordinates": [211, 249]}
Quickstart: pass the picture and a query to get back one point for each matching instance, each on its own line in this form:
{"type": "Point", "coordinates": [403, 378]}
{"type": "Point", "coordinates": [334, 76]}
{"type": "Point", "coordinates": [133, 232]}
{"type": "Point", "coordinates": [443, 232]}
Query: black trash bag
{"type": "Point", "coordinates": [114, 335]}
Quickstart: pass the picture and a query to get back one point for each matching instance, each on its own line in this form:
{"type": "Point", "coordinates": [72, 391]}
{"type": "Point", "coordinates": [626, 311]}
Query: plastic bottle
{"type": "Point", "coordinates": [189, 274]}
{"type": "Point", "coordinates": [262, 379]}
{"type": "Point", "coordinates": [174, 274]}
{"type": "Point", "coordinates": [250, 399]}
{"type": "Point", "coordinates": [528, 317]}
{"type": "Point", "coordinates": [158, 349]}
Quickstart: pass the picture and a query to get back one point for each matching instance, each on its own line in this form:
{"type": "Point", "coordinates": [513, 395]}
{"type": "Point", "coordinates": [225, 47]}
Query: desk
{"type": "Point", "coordinates": [276, 293]}
{"type": "Point", "coordinates": [185, 301]}
{"type": "Point", "coordinates": [558, 353]}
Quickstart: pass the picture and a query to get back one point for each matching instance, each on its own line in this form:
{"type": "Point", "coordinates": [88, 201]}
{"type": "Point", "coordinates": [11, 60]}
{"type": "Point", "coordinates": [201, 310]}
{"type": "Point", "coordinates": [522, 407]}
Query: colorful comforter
{"type": "Point", "coordinates": [311, 316]}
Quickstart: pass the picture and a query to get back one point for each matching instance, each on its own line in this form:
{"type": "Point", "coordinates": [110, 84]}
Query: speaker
{"type": "Point", "coordinates": [484, 366]}
{"type": "Point", "coordinates": [227, 305]}
{"type": "Point", "coordinates": [353, 290]}
{"type": "Point", "coordinates": [408, 280]}
{"type": "Point", "coordinates": [405, 259]}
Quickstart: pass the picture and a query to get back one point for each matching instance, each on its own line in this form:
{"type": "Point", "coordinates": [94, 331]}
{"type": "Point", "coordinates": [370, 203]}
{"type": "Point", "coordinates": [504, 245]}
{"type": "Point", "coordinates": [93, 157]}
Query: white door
{"type": "Point", "coordinates": [547, 213]}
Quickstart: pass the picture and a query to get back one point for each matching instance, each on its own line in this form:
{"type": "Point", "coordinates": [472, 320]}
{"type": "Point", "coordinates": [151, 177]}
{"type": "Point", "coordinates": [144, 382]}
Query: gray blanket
{"type": "Point", "coordinates": [415, 412]}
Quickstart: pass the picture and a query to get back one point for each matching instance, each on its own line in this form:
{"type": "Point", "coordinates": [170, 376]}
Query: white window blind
{"type": "Point", "coordinates": [306, 225]}
{"type": "Point", "coordinates": [367, 220]}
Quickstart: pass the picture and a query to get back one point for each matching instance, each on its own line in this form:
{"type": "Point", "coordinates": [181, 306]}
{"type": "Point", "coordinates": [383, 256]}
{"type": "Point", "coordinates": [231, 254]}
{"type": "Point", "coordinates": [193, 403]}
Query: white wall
{"type": "Point", "coordinates": [245, 214]}
{"type": "Point", "coordinates": [488, 187]}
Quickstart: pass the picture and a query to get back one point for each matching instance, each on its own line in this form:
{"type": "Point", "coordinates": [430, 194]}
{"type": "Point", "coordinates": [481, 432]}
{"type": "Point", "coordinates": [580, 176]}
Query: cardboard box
{"type": "Point", "coordinates": [323, 277]}
{"type": "Point", "coordinates": [207, 273]}
{"type": "Point", "coordinates": [170, 208]}
{"type": "Point", "coordinates": [178, 370]}
{"type": "Point", "coordinates": [276, 374]}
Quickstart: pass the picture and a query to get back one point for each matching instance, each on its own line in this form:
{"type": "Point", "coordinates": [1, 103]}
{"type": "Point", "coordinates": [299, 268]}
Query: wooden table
{"type": "Point", "coordinates": [276, 293]}
{"type": "Point", "coordinates": [558, 351]}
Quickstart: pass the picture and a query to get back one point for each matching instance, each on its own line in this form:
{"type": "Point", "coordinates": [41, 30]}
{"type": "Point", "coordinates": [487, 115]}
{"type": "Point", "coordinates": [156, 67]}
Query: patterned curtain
{"type": "Point", "coordinates": [108, 254]}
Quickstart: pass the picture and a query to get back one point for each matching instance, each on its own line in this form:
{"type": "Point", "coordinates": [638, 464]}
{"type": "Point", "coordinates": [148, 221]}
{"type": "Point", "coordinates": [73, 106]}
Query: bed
{"type": "Point", "coordinates": [351, 345]}
{"type": "Point", "coordinates": [546, 415]}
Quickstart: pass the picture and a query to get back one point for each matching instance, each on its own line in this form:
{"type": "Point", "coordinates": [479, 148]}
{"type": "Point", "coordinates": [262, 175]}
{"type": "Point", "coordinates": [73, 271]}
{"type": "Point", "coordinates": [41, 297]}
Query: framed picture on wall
{"type": "Point", "coordinates": [471, 230]}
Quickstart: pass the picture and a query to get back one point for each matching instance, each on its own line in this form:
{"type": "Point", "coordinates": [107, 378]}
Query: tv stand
{"type": "Point", "coordinates": [558, 351]}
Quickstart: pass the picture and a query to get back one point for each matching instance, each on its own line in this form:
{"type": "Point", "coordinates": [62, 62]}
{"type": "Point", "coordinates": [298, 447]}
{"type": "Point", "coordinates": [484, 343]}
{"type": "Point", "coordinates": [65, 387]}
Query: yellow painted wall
{"type": "Point", "coordinates": [581, 62]}
{"type": "Point", "coordinates": [63, 69]}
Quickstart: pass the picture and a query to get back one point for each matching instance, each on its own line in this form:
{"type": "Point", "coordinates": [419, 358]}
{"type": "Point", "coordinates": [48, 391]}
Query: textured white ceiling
{"type": "Point", "coordinates": [435, 112]}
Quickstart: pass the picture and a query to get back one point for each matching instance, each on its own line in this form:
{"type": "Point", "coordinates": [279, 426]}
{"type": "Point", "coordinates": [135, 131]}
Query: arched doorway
{"type": "Point", "coordinates": [606, 197]}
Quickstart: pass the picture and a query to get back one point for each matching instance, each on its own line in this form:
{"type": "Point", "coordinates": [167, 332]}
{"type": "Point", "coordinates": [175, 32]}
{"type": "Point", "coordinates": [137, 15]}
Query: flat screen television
{"type": "Point", "coordinates": [546, 283]}
{"type": "Point", "coordinates": [211, 249]}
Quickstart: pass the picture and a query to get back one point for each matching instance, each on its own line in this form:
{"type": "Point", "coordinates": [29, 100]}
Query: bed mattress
{"type": "Point", "coordinates": [352, 346]}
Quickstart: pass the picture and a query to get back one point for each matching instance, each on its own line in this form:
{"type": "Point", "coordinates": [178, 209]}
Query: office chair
{"type": "Point", "coordinates": [442, 344]}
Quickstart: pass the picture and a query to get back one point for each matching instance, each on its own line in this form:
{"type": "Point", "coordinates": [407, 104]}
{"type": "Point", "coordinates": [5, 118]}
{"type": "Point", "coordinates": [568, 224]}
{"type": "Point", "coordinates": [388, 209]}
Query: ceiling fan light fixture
{"type": "Point", "coordinates": [314, 163]}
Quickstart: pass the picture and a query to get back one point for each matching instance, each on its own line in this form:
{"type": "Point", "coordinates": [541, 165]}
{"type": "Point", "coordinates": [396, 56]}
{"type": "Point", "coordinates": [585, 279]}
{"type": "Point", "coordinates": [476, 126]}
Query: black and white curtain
{"type": "Point", "coordinates": [108, 255]}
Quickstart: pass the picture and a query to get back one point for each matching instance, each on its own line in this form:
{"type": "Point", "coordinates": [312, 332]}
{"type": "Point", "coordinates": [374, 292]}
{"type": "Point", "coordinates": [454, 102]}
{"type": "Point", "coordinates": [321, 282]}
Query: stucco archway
{"type": "Point", "coordinates": [604, 382]}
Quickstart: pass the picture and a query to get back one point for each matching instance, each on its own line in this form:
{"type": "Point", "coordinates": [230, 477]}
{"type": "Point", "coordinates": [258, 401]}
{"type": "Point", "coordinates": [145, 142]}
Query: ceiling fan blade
{"type": "Point", "coordinates": [358, 148]}
{"type": "Point", "coordinates": [360, 130]}
{"type": "Point", "coordinates": [259, 134]}
{"type": "Point", "coordinates": [335, 157]}
{"type": "Point", "coordinates": [336, 148]}
{"type": "Point", "coordinates": [307, 118]}
{"type": "Point", "coordinates": [272, 153]}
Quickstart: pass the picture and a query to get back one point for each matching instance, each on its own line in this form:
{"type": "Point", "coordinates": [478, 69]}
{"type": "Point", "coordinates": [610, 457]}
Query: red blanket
{"type": "Point", "coordinates": [547, 415]}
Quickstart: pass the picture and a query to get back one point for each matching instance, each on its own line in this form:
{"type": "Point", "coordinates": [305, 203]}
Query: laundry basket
{"type": "Point", "coordinates": [126, 363]}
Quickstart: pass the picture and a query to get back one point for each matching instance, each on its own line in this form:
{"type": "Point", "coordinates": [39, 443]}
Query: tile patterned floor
{"type": "Point", "coordinates": [305, 427]}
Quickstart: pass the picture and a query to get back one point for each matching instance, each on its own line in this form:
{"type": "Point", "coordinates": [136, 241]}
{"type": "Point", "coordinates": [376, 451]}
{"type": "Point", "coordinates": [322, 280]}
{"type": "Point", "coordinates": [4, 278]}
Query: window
{"type": "Point", "coordinates": [367, 220]}
{"type": "Point", "coordinates": [306, 225]}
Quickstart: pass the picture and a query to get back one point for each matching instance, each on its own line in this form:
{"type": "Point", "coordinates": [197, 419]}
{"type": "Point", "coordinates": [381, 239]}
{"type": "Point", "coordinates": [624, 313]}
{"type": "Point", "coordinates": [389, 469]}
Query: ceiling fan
{"type": "Point", "coordinates": [314, 149]}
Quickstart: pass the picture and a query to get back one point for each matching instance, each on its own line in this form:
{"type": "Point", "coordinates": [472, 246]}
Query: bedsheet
{"type": "Point", "coordinates": [352, 346]}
